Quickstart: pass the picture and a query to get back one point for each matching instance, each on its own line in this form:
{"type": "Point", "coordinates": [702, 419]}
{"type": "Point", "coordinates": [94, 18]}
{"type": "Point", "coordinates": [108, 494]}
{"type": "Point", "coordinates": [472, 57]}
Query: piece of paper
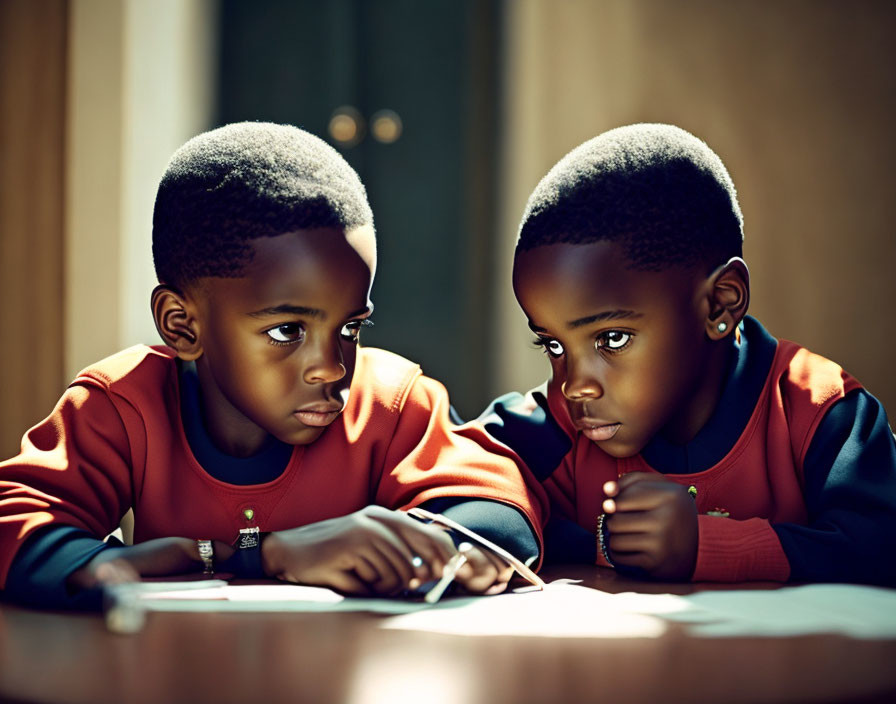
{"type": "Point", "coordinates": [566, 609]}
{"type": "Point", "coordinates": [220, 596]}
{"type": "Point", "coordinates": [561, 610]}
{"type": "Point", "coordinates": [846, 609]}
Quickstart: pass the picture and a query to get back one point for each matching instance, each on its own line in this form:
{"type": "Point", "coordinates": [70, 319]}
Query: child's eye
{"type": "Point", "coordinates": [286, 334]}
{"type": "Point", "coordinates": [352, 331]}
{"type": "Point", "coordinates": [613, 340]}
{"type": "Point", "coordinates": [551, 347]}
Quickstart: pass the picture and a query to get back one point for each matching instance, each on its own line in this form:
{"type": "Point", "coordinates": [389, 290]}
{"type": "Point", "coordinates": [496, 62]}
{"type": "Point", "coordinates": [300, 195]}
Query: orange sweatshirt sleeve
{"type": "Point", "coordinates": [430, 457]}
{"type": "Point", "coordinates": [73, 470]}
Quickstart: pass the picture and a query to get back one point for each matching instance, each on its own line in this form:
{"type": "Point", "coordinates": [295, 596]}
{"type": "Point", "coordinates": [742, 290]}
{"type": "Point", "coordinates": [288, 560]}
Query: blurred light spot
{"type": "Point", "coordinates": [393, 677]}
{"type": "Point", "coordinates": [346, 126]}
{"type": "Point", "coordinates": [385, 126]}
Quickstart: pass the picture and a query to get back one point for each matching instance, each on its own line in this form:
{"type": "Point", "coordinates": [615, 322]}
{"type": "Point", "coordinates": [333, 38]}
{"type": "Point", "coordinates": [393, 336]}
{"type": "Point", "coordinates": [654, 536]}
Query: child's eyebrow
{"type": "Point", "coordinates": [601, 317]}
{"type": "Point", "coordinates": [287, 308]}
{"type": "Point", "coordinates": [596, 318]}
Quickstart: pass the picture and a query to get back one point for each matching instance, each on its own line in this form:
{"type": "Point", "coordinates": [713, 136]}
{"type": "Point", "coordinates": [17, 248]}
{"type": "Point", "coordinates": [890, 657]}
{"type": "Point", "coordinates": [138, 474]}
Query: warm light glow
{"type": "Point", "coordinates": [346, 126]}
{"type": "Point", "coordinates": [385, 126]}
{"type": "Point", "coordinates": [343, 128]}
{"type": "Point", "coordinates": [392, 677]}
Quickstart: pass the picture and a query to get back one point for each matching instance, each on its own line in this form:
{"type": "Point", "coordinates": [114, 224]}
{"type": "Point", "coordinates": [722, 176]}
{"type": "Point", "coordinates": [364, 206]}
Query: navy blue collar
{"type": "Point", "coordinates": [264, 466]}
{"type": "Point", "coordinates": [748, 369]}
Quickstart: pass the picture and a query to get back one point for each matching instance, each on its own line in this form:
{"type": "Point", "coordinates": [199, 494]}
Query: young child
{"type": "Point", "coordinates": [260, 440]}
{"type": "Point", "coordinates": [677, 438]}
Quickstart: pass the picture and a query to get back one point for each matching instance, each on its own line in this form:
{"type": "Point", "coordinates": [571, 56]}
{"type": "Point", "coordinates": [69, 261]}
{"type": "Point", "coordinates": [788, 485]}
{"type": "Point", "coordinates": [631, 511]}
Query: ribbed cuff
{"type": "Point", "coordinates": [739, 551]}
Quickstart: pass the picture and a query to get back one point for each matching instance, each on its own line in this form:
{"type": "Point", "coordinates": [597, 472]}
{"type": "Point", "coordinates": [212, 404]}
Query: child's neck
{"type": "Point", "coordinates": [229, 430]}
{"type": "Point", "coordinates": [705, 397]}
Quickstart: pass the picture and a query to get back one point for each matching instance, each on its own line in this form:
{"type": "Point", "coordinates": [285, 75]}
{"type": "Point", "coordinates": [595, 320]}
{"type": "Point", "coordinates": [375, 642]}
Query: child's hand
{"type": "Point", "coordinates": [371, 551]}
{"type": "Point", "coordinates": [153, 558]}
{"type": "Point", "coordinates": [103, 573]}
{"type": "Point", "coordinates": [484, 572]}
{"type": "Point", "coordinates": [651, 524]}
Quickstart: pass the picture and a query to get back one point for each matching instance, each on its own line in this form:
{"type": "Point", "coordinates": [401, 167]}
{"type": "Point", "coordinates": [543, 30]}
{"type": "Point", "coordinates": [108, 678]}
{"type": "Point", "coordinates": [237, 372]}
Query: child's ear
{"type": "Point", "coordinates": [176, 321]}
{"type": "Point", "coordinates": [729, 298]}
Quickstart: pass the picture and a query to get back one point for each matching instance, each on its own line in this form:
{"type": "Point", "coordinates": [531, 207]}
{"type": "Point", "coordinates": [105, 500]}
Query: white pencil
{"type": "Point", "coordinates": [457, 561]}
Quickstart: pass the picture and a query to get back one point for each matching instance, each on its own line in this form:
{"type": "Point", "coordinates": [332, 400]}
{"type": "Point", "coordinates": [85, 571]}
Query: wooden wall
{"type": "Point", "coordinates": [796, 96]}
{"type": "Point", "coordinates": [32, 132]}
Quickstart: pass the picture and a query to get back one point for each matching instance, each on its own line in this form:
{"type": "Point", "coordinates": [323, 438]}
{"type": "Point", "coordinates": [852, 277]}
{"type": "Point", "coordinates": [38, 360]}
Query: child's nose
{"type": "Point", "coordinates": [581, 382]}
{"type": "Point", "coordinates": [326, 365]}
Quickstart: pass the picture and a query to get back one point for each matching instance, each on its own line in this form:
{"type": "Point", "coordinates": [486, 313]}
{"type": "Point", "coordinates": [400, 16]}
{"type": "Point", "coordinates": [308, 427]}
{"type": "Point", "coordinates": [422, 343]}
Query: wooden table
{"type": "Point", "coordinates": [347, 657]}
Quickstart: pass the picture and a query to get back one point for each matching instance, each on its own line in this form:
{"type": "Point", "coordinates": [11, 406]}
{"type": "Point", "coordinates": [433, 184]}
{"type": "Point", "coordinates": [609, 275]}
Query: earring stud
{"type": "Point", "coordinates": [722, 327]}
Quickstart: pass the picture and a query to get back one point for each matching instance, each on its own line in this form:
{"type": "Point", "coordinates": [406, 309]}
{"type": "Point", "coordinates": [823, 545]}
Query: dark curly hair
{"type": "Point", "coordinates": [234, 184]}
{"type": "Point", "coordinates": [657, 190]}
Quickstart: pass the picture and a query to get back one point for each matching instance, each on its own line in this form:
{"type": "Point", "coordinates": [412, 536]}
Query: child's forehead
{"type": "Point", "coordinates": [328, 249]}
{"type": "Point", "coordinates": [304, 265]}
{"type": "Point", "coordinates": [572, 255]}
{"type": "Point", "coordinates": [566, 267]}
{"type": "Point", "coordinates": [584, 277]}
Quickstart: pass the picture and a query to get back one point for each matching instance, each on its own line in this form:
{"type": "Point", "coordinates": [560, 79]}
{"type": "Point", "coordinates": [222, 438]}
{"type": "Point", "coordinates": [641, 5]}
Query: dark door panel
{"type": "Point", "coordinates": [431, 66]}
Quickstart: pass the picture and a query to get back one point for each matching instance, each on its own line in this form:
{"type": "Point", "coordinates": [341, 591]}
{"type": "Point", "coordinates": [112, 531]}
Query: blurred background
{"type": "Point", "coordinates": [451, 111]}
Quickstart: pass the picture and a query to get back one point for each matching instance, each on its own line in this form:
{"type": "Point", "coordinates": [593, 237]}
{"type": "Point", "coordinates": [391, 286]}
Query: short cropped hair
{"type": "Point", "coordinates": [657, 190]}
{"type": "Point", "coordinates": [227, 187]}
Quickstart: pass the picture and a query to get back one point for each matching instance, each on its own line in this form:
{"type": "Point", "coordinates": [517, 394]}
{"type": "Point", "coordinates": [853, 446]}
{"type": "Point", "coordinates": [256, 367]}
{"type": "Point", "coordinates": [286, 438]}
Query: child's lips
{"type": "Point", "coordinates": [318, 416]}
{"type": "Point", "coordinates": [598, 431]}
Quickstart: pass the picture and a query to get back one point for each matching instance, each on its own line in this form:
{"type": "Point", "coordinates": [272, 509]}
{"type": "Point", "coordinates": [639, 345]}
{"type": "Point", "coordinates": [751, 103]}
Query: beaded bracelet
{"type": "Point", "coordinates": [601, 540]}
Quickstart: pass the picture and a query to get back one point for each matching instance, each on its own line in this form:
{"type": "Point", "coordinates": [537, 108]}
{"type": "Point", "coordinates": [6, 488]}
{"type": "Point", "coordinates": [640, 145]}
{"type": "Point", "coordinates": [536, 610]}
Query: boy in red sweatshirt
{"type": "Point", "coordinates": [677, 438]}
{"type": "Point", "coordinates": [261, 439]}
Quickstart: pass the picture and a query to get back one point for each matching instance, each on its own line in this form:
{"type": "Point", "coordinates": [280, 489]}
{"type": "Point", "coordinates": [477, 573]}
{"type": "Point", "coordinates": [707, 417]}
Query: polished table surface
{"type": "Point", "coordinates": [348, 657]}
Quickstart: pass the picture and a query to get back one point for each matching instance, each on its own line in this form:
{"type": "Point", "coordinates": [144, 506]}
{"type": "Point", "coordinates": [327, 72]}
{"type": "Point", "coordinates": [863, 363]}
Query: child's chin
{"type": "Point", "coordinates": [619, 448]}
{"type": "Point", "coordinates": [304, 436]}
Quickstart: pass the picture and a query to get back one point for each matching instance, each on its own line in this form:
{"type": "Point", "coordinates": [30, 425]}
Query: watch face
{"type": "Point", "coordinates": [248, 538]}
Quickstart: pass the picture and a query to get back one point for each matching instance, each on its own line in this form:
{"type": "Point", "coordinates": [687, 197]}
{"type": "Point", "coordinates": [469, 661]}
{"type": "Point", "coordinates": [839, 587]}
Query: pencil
{"type": "Point", "coordinates": [457, 561]}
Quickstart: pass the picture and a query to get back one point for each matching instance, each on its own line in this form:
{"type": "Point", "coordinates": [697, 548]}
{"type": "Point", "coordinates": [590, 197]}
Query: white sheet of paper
{"type": "Point", "coordinates": [561, 610]}
{"type": "Point", "coordinates": [847, 609]}
{"type": "Point", "coordinates": [568, 610]}
{"type": "Point", "coordinates": [183, 596]}
{"type": "Point", "coordinates": [565, 609]}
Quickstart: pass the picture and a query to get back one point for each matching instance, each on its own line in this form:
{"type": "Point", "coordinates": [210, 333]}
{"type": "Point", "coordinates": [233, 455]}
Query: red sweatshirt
{"type": "Point", "coordinates": [115, 440]}
{"type": "Point", "coordinates": [758, 483]}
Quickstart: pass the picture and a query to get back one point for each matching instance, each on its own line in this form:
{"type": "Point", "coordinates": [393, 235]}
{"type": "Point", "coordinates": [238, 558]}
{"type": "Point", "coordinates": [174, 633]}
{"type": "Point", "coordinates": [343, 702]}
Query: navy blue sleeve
{"type": "Point", "coordinates": [566, 541]}
{"type": "Point", "coordinates": [501, 523]}
{"type": "Point", "coordinates": [526, 426]}
{"type": "Point", "coordinates": [850, 492]}
{"type": "Point", "coordinates": [39, 571]}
